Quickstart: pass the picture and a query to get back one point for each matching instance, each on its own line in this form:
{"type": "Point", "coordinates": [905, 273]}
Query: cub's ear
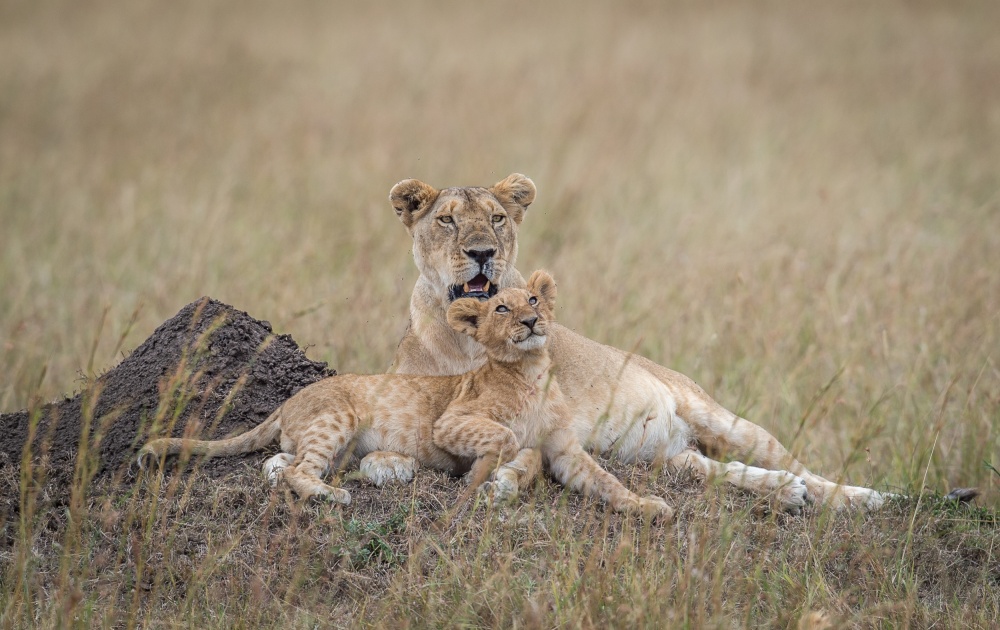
{"type": "Point", "coordinates": [411, 198]}
{"type": "Point", "coordinates": [541, 284]}
{"type": "Point", "coordinates": [464, 314]}
{"type": "Point", "coordinates": [515, 193]}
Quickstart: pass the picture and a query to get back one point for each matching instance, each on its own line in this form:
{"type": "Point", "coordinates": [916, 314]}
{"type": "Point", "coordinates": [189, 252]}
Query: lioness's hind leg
{"type": "Point", "coordinates": [724, 434]}
{"type": "Point", "coordinates": [381, 467]}
{"type": "Point", "coordinates": [841, 496]}
{"type": "Point", "coordinates": [788, 491]}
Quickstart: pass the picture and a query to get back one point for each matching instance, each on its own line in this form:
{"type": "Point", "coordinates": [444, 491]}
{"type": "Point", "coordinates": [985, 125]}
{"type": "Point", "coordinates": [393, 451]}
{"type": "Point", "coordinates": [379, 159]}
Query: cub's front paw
{"type": "Point", "coordinates": [331, 495]}
{"type": "Point", "coordinates": [656, 508]}
{"type": "Point", "coordinates": [382, 467]}
{"type": "Point", "coordinates": [500, 490]}
{"type": "Point", "coordinates": [274, 466]}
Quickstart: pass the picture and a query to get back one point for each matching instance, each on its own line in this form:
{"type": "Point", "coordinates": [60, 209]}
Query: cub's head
{"type": "Point", "coordinates": [511, 323]}
{"type": "Point", "coordinates": [464, 239]}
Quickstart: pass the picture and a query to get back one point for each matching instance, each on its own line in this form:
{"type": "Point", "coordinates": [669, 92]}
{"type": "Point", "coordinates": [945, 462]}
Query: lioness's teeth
{"type": "Point", "coordinates": [486, 287]}
{"type": "Point", "coordinates": [466, 287]}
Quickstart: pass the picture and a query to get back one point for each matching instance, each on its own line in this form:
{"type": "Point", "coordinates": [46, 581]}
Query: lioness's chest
{"type": "Point", "coordinates": [536, 415]}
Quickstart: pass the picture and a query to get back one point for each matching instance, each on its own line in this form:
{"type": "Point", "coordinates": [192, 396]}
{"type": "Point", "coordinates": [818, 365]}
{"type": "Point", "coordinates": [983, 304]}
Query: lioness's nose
{"type": "Point", "coordinates": [530, 323]}
{"type": "Point", "coordinates": [481, 256]}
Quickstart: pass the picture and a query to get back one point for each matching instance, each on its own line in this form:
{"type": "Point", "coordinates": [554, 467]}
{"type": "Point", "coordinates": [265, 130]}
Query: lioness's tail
{"type": "Point", "coordinates": [254, 439]}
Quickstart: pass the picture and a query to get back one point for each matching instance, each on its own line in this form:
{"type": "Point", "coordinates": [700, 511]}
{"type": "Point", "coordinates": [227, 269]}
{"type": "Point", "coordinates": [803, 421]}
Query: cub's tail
{"type": "Point", "coordinates": [254, 439]}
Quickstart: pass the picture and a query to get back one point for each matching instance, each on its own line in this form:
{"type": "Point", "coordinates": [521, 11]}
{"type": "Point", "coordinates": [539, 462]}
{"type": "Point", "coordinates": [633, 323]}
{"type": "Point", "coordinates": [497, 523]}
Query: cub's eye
{"type": "Point", "coordinates": [532, 300]}
{"type": "Point", "coordinates": [502, 309]}
{"type": "Point", "coordinates": [498, 219]}
{"type": "Point", "coordinates": [445, 219]}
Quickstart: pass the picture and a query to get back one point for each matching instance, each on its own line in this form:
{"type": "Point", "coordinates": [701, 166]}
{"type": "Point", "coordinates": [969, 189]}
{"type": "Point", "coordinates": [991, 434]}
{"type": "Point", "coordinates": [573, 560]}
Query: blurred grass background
{"type": "Point", "coordinates": [771, 198]}
{"type": "Point", "coordinates": [798, 205]}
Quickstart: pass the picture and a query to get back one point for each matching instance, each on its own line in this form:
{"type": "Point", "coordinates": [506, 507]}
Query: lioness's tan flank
{"type": "Point", "coordinates": [465, 243]}
{"type": "Point", "coordinates": [507, 416]}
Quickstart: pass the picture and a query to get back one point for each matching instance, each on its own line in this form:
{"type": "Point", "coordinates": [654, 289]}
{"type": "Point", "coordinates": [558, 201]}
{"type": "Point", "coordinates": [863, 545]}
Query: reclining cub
{"type": "Point", "coordinates": [504, 417]}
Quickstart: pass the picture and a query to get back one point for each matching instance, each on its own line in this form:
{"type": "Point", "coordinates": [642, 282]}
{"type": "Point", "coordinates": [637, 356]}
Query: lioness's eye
{"type": "Point", "coordinates": [532, 300]}
{"type": "Point", "coordinates": [445, 219]}
{"type": "Point", "coordinates": [502, 309]}
{"type": "Point", "coordinates": [497, 219]}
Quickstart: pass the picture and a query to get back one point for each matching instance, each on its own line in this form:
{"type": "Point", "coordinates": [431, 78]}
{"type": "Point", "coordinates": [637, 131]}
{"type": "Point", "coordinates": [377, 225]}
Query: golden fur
{"type": "Point", "coordinates": [507, 416]}
{"type": "Point", "coordinates": [621, 404]}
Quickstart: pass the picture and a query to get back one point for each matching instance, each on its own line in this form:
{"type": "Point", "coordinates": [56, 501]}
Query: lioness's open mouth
{"type": "Point", "coordinates": [479, 287]}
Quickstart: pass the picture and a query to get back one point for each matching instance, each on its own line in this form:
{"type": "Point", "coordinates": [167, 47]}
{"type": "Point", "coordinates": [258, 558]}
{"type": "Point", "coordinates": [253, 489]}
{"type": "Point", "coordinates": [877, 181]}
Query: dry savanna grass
{"type": "Point", "coordinates": [796, 205]}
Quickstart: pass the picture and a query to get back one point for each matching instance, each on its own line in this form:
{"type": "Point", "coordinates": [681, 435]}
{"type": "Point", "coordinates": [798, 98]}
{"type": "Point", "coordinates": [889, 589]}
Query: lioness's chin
{"type": "Point", "coordinates": [533, 342]}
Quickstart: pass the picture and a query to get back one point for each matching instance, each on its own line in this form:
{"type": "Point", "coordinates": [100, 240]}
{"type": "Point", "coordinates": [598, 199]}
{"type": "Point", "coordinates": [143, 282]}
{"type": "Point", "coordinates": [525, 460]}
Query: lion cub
{"type": "Point", "coordinates": [504, 418]}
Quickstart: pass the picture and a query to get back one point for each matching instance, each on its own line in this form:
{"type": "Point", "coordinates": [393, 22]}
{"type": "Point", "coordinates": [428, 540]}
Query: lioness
{"type": "Point", "coordinates": [507, 412]}
{"type": "Point", "coordinates": [465, 245]}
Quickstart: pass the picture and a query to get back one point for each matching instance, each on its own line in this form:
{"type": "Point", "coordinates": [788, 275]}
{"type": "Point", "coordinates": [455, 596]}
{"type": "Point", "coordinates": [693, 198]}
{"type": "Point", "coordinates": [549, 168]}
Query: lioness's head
{"type": "Point", "coordinates": [464, 239]}
{"type": "Point", "coordinates": [512, 322]}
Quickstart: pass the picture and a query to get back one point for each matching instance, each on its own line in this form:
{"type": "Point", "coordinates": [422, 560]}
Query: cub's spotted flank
{"type": "Point", "coordinates": [506, 418]}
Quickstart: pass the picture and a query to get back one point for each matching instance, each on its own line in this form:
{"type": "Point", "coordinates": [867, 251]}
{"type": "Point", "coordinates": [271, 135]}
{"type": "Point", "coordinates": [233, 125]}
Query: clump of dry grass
{"type": "Point", "coordinates": [190, 549]}
{"type": "Point", "coordinates": [797, 206]}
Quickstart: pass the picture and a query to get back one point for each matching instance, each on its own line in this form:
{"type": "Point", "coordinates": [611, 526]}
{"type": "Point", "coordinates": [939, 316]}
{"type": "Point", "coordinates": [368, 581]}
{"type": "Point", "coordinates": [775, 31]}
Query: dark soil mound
{"type": "Point", "coordinates": [210, 364]}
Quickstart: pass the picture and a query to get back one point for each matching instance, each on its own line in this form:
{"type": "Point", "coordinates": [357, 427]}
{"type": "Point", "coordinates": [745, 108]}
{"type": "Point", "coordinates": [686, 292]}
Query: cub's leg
{"type": "Point", "coordinates": [514, 475]}
{"type": "Point", "coordinates": [381, 467]}
{"type": "Point", "coordinates": [724, 434]}
{"type": "Point", "coordinates": [577, 470]}
{"type": "Point", "coordinates": [304, 477]}
{"type": "Point", "coordinates": [490, 443]}
{"type": "Point", "coordinates": [789, 490]}
{"type": "Point", "coordinates": [317, 445]}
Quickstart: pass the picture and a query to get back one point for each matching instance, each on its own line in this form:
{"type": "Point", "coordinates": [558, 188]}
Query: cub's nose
{"type": "Point", "coordinates": [530, 323]}
{"type": "Point", "coordinates": [481, 256]}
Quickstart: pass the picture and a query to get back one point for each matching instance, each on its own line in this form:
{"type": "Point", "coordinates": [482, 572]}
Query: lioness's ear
{"type": "Point", "coordinates": [463, 315]}
{"type": "Point", "coordinates": [541, 284]}
{"type": "Point", "coordinates": [411, 198]}
{"type": "Point", "coordinates": [515, 193]}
